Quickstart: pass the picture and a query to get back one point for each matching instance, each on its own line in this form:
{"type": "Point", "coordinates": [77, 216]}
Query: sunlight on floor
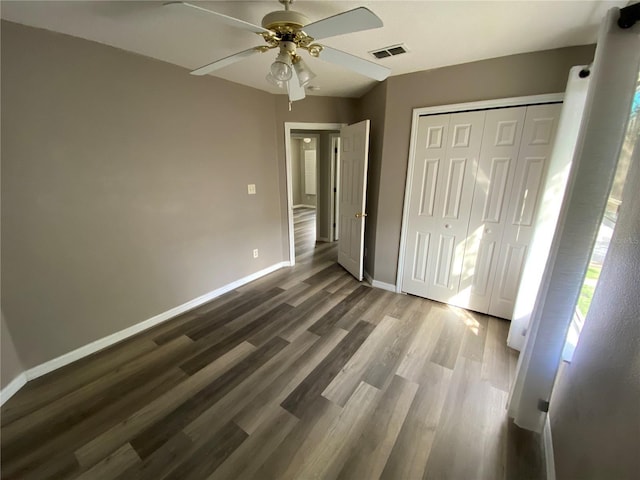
{"type": "Point", "coordinates": [471, 323]}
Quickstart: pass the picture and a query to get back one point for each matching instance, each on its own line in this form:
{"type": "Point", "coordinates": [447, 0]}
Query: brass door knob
{"type": "Point", "coordinates": [360, 215]}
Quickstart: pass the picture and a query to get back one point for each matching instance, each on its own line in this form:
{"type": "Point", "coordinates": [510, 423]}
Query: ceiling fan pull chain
{"type": "Point", "coordinates": [289, 105]}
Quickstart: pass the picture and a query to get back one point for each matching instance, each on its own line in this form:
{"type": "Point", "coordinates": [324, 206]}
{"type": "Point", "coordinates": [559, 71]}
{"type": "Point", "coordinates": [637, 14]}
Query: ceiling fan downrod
{"type": "Point", "coordinates": [286, 3]}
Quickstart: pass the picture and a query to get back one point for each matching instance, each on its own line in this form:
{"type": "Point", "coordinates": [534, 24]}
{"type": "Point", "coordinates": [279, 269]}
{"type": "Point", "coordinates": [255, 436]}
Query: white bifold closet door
{"type": "Point", "coordinates": [471, 211]}
{"type": "Point", "coordinates": [494, 179]}
{"type": "Point", "coordinates": [445, 166]}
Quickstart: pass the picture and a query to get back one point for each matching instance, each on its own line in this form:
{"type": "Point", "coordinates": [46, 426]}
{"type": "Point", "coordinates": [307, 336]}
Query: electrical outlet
{"type": "Point", "coordinates": [255, 253]}
{"type": "Point", "coordinates": [251, 188]}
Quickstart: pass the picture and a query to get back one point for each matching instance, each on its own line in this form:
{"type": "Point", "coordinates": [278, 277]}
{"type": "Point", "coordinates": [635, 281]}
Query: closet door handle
{"type": "Point", "coordinates": [447, 226]}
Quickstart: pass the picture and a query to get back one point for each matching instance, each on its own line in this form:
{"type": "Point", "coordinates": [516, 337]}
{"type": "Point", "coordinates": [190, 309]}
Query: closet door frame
{"type": "Point", "coordinates": [443, 109]}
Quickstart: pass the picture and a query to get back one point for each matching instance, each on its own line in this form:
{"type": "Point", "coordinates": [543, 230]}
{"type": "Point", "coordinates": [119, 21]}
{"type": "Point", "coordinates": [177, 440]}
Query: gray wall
{"type": "Point", "coordinates": [298, 170]}
{"type": "Point", "coordinates": [372, 106]}
{"type": "Point", "coordinates": [313, 145]}
{"type": "Point", "coordinates": [512, 76]}
{"type": "Point", "coordinates": [296, 178]}
{"type": "Point", "coordinates": [595, 407]}
{"type": "Point", "coordinates": [124, 188]}
{"type": "Point", "coordinates": [10, 364]}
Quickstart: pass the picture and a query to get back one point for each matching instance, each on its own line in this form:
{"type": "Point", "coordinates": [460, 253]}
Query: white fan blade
{"type": "Point", "coordinates": [223, 62]}
{"type": "Point", "coordinates": [357, 64]}
{"type": "Point", "coordinates": [351, 21]}
{"type": "Point", "coordinates": [226, 19]}
{"type": "Point", "coordinates": [296, 92]}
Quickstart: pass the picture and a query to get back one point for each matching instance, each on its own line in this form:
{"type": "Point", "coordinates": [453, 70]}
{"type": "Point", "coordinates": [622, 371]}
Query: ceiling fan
{"type": "Point", "coordinates": [289, 32]}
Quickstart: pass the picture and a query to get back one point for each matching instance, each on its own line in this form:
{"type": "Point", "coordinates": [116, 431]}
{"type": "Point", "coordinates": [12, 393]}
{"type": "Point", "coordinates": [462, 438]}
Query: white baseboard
{"type": "Point", "coordinates": [11, 389]}
{"type": "Point", "coordinates": [547, 444]}
{"type": "Point", "coordinates": [384, 286]}
{"type": "Point", "coordinates": [109, 340]}
{"type": "Point", "coordinates": [377, 284]}
{"type": "Point", "coordinates": [367, 277]}
{"type": "Point", "coordinates": [304, 205]}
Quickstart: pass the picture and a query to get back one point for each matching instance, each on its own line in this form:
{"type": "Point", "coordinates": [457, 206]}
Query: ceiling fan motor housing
{"type": "Point", "coordinates": [283, 21]}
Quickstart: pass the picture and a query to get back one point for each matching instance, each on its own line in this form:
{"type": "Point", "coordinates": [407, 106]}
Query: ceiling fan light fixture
{"type": "Point", "coordinates": [281, 68]}
{"type": "Point", "coordinates": [304, 73]}
{"type": "Point", "coordinates": [274, 81]}
{"type": "Point", "coordinates": [288, 31]}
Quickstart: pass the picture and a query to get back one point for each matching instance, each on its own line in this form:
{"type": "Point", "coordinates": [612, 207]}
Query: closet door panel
{"type": "Point", "coordinates": [537, 142]}
{"type": "Point", "coordinates": [456, 179]}
{"type": "Point", "coordinates": [430, 151]}
{"type": "Point", "coordinates": [494, 180]}
{"type": "Point", "coordinates": [442, 178]}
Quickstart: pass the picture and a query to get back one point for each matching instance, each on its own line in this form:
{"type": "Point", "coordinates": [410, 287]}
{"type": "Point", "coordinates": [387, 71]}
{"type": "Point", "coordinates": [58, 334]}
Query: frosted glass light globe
{"type": "Point", "coordinates": [281, 71]}
{"type": "Point", "coordinates": [304, 73]}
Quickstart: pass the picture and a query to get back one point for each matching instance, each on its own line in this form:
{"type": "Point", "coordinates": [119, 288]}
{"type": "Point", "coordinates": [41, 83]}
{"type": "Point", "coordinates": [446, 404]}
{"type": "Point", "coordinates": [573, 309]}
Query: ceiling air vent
{"type": "Point", "coordinates": [390, 51]}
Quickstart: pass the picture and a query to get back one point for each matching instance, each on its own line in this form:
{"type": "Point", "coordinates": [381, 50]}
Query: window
{"type": "Point", "coordinates": [606, 227]}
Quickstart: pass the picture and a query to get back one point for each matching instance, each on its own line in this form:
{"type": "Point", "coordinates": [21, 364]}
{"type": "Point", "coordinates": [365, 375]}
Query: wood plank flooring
{"type": "Point", "coordinates": [304, 221]}
{"type": "Point", "coordinates": [304, 373]}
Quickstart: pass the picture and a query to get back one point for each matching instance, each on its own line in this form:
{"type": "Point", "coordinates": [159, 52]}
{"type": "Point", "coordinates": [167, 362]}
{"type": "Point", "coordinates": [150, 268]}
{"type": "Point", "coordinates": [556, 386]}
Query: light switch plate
{"type": "Point", "coordinates": [251, 188]}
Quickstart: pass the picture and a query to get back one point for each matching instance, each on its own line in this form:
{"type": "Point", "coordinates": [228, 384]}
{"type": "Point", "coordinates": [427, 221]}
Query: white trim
{"type": "Point", "coordinates": [487, 104]}
{"type": "Point", "coordinates": [456, 107]}
{"type": "Point", "coordinates": [109, 340]}
{"type": "Point", "coordinates": [12, 388]}
{"type": "Point", "coordinates": [368, 277]}
{"type": "Point", "coordinates": [377, 284]}
{"type": "Point", "coordinates": [547, 445]}
{"type": "Point", "coordinates": [288, 126]}
{"type": "Point", "coordinates": [303, 205]}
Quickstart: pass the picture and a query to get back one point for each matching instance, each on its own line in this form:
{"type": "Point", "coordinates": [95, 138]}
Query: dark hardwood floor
{"type": "Point", "coordinates": [304, 221]}
{"type": "Point", "coordinates": [305, 373]}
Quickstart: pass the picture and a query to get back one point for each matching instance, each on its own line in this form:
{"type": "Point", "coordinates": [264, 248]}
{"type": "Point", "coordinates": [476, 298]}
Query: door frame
{"type": "Point", "coordinates": [288, 126]}
{"type": "Point", "coordinates": [335, 185]}
{"type": "Point", "coordinates": [453, 108]}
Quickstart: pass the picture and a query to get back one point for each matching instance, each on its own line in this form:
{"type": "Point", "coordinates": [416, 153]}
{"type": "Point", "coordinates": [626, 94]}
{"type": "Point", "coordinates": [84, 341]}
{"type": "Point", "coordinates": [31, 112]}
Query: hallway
{"type": "Point", "coordinates": [304, 225]}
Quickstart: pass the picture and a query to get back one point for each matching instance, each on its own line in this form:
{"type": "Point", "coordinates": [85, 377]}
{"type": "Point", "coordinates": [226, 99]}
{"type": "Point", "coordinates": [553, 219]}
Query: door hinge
{"type": "Point", "coordinates": [543, 405]}
{"type": "Point", "coordinates": [335, 190]}
{"type": "Point", "coordinates": [335, 150]}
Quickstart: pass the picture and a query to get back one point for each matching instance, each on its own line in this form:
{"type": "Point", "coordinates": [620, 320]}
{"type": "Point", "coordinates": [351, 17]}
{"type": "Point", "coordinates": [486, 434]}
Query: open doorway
{"type": "Point", "coordinates": [312, 163]}
{"type": "Point", "coordinates": [304, 182]}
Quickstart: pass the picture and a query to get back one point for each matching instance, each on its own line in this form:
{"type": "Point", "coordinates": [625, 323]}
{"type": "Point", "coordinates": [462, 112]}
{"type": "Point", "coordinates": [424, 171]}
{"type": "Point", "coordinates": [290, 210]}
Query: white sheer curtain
{"type": "Point", "coordinates": [554, 189]}
{"type": "Point", "coordinates": [609, 97]}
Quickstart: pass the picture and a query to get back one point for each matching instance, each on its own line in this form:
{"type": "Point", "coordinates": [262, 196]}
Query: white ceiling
{"type": "Point", "coordinates": [437, 33]}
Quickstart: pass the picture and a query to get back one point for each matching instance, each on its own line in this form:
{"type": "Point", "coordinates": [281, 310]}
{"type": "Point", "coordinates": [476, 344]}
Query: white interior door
{"type": "Point", "coordinates": [446, 159]}
{"type": "Point", "coordinates": [354, 142]}
{"type": "Point", "coordinates": [494, 180]}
